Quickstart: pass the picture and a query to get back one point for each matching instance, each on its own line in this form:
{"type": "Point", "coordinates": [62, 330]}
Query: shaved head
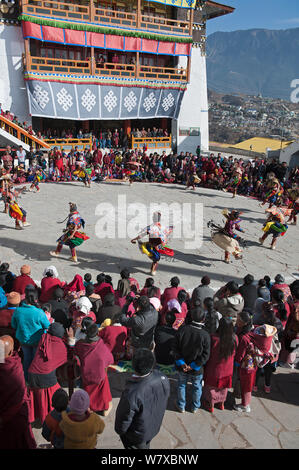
{"type": "Point", "coordinates": [8, 344]}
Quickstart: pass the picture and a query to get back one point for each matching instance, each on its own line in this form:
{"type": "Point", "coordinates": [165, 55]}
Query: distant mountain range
{"type": "Point", "coordinates": [256, 61]}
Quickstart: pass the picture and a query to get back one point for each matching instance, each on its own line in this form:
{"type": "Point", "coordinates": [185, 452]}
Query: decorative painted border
{"type": "Point", "coordinates": [103, 29]}
{"type": "Point", "coordinates": [113, 81]}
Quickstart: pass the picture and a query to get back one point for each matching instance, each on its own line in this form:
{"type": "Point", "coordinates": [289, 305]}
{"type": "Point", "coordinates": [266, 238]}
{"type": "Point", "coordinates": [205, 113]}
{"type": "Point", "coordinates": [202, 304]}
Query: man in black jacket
{"type": "Point", "coordinates": [191, 351]}
{"type": "Point", "coordinates": [142, 405]}
{"type": "Point", "coordinates": [142, 325]}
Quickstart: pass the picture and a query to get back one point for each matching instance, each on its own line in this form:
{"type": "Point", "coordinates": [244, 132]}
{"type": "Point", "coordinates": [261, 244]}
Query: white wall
{"type": "Point", "coordinates": [194, 108]}
{"type": "Point", "coordinates": [13, 95]}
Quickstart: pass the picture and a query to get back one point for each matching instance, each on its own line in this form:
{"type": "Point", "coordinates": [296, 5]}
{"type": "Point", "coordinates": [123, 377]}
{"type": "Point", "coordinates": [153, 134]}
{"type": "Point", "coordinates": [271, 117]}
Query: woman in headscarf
{"type": "Point", "coordinates": [253, 351]}
{"type": "Point", "coordinates": [83, 308]}
{"type": "Point", "coordinates": [95, 358]}
{"type": "Point", "coordinates": [51, 353]}
{"type": "Point", "coordinates": [74, 289]}
{"type": "Point", "coordinates": [49, 283]}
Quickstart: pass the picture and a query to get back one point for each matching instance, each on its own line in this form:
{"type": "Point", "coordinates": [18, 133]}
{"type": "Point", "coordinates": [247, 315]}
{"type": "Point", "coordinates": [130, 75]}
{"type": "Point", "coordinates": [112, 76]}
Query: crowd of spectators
{"type": "Point", "coordinates": [213, 171]}
{"type": "Point", "coordinates": [66, 334]}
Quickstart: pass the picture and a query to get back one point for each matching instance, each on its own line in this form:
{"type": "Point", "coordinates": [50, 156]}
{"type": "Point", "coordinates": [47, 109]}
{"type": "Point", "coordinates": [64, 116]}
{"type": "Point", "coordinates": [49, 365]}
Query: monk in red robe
{"type": "Point", "coordinates": [51, 353]}
{"type": "Point", "coordinates": [95, 357]}
{"type": "Point", "coordinates": [15, 428]}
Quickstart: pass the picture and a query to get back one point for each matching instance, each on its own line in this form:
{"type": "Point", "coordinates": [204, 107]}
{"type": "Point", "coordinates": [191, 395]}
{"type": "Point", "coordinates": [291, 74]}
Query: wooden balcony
{"type": "Point", "coordinates": [162, 73]}
{"type": "Point", "coordinates": [88, 67]}
{"type": "Point", "coordinates": [151, 142]}
{"type": "Point", "coordinates": [88, 12]}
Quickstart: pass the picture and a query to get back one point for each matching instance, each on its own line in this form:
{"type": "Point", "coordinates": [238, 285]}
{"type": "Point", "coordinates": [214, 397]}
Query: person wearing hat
{"type": "Point", "coordinates": [72, 237]}
{"type": "Point", "coordinates": [49, 283]}
{"type": "Point", "coordinates": [6, 313]}
{"type": "Point", "coordinates": [225, 237]}
{"type": "Point", "coordinates": [23, 280]}
{"type": "Point", "coordinates": [142, 405]}
{"type": "Point", "coordinates": [80, 425]}
{"type": "Point", "coordinates": [276, 226]}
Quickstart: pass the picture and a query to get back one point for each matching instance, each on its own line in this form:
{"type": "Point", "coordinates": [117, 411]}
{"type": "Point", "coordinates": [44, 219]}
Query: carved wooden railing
{"type": "Point", "coordinates": [151, 142]}
{"type": "Point", "coordinates": [88, 12]}
{"type": "Point", "coordinates": [85, 67]}
{"type": "Point", "coordinates": [21, 134]}
{"type": "Point", "coordinates": [162, 73]}
{"type": "Point", "coordinates": [83, 143]}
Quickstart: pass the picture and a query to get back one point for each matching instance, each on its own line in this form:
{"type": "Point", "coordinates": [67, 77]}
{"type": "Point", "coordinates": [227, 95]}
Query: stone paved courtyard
{"type": "Point", "coordinates": [274, 419]}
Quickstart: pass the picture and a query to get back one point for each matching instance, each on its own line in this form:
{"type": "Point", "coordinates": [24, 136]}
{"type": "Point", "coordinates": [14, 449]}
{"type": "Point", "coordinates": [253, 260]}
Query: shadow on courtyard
{"type": "Point", "coordinates": [112, 264]}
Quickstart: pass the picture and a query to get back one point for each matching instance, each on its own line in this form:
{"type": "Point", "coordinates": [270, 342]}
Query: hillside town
{"type": "Point", "coordinates": [233, 118]}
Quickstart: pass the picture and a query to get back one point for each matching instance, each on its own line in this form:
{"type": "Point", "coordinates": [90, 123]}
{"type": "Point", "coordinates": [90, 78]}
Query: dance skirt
{"type": "Point", "coordinates": [77, 240]}
{"type": "Point", "coordinates": [99, 394]}
{"type": "Point", "coordinates": [150, 251]}
{"type": "Point", "coordinates": [40, 403]}
{"type": "Point", "coordinates": [16, 212]}
{"type": "Point", "coordinates": [226, 243]}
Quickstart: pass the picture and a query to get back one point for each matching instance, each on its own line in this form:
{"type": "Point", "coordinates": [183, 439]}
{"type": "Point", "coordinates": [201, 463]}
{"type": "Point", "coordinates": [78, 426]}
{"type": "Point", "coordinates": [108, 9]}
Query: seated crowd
{"type": "Point", "coordinates": [189, 169]}
{"type": "Point", "coordinates": [58, 335]}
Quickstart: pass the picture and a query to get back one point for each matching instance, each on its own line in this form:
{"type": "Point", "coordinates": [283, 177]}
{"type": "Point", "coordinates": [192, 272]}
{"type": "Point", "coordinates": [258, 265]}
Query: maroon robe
{"type": "Point", "coordinates": [218, 373]}
{"type": "Point", "coordinates": [15, 432]}
{"type": "Point", "coordinates": [21, 282]}
{"type": "Point", "coordinates": [51, 353]}
{"type": "Point", "coordinates": [95, 358]}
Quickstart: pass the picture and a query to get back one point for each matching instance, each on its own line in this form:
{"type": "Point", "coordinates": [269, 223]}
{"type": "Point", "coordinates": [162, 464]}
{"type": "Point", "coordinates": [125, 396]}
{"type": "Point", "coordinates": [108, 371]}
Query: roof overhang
{"type": "Point", "coordinates": [214, 10]}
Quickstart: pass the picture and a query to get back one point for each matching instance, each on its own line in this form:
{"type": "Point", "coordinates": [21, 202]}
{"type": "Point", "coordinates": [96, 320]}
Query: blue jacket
{"type": "Point", "coordinates": [30, 323]}
{"type": "Point", "coordinates": [3, 299]}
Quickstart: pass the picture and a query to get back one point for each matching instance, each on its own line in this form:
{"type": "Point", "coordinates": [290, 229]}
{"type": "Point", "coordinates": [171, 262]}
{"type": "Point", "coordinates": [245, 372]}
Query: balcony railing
{"type": "Point", "coordinates": [89, 13]}
{"type": "Point", "coordinates": [115, 70]}
{"type": "Point", "coordinates": [151, 142]}
{"type": "Point", "coordinates": [162, 73]}
{"type": "Point", "coordinates": [88, 67]}
{"type": "Point", "coordinates": [57, 9]}
{"type": "Point", "coordinates": [22, 134]}
{"type": "Point", "coordinates": [42, 64]}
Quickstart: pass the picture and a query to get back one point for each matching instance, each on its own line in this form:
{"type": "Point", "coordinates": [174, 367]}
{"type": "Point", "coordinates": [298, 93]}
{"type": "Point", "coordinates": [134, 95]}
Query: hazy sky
{"type": "Point", "coordinates": [249, 14]}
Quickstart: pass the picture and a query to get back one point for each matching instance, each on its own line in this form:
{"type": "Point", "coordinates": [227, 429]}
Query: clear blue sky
{"type": "Point", "coordinates": [250, 14]}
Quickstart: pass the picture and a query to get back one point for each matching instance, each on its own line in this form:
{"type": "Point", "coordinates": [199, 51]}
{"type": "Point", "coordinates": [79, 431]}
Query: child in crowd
{"type": "Point", "coordinates": [80, 425]}
{"type": "Point", "coordinates": [51, 430]}
{"type": "Point", "coordinates": [87, 280]}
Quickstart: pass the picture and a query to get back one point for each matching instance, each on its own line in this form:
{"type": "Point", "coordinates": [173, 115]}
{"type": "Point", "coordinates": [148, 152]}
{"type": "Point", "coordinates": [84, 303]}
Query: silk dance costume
{"type": "Point", "coordinates": [225, 237]}
{"type": "Point", "coordinates": [16, 212]}
{"type": "Point", "coordinates": [274, 191]}
{"type": "Point", "coordinates": [72, 236]}
{"type": "Point", "coordinates": [275, 225]}
{"type": "Point", "coordinates": [156, 245]}
{"type": "Point", "coordinates": [235, 180]}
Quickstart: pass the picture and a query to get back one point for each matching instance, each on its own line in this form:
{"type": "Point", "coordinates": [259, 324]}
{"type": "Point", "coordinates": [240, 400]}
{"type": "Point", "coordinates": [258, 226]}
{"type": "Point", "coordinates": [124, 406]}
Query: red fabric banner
{"type": "Point", "coordinates": [31, 30]}
{"type": "Point", "coordinates": [95, 39]}
{"type": "Point", "coordinates": [132, 44]}
{"type": "Point", "coordinates": [166, 47]}
{"type": "Point", "coordinates": [74, 37]}
{"type": "Point", "coordinates": [114, 42]}
{"type": "Point", "coordinates": [91, 39]}
{"type": "Point", "coordinates": [52, 34]}
{"type": "Point", "coordinates": [182, 49]}
{"type": "Point", "coordinates": [149, 45]}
